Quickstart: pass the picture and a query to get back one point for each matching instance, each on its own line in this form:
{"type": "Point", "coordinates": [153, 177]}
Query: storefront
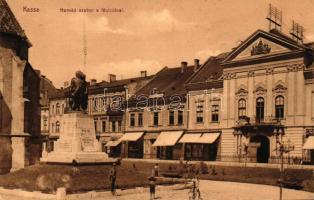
{"type": "Point", "coordinates": [309, 148]}
{"type": "Point", "coordinates": [200, 146]}
{"type": "Point", "coordinates": [113, 148]}
{"type": "Point", "coordinates": [132, 145]}
{"type": "Point", "coordinates": [150, 151]}
{"type": "Point", "coordinates": [167, 146]}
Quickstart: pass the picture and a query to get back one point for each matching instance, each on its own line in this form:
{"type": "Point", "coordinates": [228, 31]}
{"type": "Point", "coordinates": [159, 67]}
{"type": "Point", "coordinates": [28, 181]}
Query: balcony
{"type": "Point", "coordinates": [268, 125]}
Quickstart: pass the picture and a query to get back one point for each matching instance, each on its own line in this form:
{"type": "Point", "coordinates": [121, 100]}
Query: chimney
{"type": "Point", "coordinates": [93, 81]}
{"type": "Point", "coordinates": [196, 64]}
{"type": "Point", "coordinates": [143, 73]}
{"type": "Point", "coordinates": [112, 77]}
{"type": "Point", "coordinates": [184, 66]}
{"type": "Point", "coordinates": [66, 84]}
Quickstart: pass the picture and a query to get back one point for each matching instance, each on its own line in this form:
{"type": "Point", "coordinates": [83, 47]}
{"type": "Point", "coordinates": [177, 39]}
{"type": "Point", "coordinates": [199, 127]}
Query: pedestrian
{"type": "Point", "coordinates": [112, 178]}
{"type": "Point", "coordinates": [156, 170]}
{"type": "Point", "coordinates": [152, 187]}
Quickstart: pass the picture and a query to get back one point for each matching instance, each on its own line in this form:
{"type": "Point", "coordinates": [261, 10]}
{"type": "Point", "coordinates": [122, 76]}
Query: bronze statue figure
{"type": "Point", "coordinates": [78, 92]}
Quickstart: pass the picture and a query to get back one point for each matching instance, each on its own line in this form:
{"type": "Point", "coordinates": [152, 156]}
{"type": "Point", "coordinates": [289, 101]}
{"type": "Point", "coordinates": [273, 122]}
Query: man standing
{"type": "Point", "coordinates": [112, 178]}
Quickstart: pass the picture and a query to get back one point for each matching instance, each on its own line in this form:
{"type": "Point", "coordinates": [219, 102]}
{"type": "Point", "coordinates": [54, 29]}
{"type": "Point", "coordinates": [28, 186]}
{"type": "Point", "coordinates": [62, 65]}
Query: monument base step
{"type": "Point", "coordinates": [78, 157]}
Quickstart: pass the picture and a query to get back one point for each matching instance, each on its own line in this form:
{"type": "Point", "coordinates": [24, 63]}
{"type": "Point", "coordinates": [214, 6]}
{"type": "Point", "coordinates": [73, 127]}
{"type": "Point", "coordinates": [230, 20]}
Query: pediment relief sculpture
{"type": "Point", "coordinates": [260, 48]}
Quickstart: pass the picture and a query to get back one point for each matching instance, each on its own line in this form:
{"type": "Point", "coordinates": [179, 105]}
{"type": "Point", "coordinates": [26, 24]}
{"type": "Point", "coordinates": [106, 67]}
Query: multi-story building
{"type": "Point", "coordinates": [255, 98]}
{"type": "Point", "coordinates": [47, 89]}
{"type": "Point", "coordinates": [57, 107]}
{"type": "Point", "coordinates": [202, 140]}
{"type": "Point", "coordinates": [20, 138]}
{"type": "Point", "coordinates": [105, 104]}
{"type": "Point", "coordinates": [156, 115]}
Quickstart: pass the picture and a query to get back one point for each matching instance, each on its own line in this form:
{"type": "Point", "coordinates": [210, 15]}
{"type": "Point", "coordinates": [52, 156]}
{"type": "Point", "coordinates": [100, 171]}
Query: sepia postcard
{"type": "Point", "coordinates": [195, 100]}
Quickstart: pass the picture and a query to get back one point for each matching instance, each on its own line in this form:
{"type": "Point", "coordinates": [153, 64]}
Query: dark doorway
{"type": "Point", "coordinates": [262, 152]}
{"type": "Point", "coordinates": [312, 157]}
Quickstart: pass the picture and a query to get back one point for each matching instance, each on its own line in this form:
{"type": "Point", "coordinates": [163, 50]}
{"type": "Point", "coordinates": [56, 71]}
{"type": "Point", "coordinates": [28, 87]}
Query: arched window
{"type": "Point", "coordinates": [57, 127]}
{"type": "Point", "coordinates": [279, 107]}
{"type": "Point", "coordinates": [57, 108]}
{"type": "Point", "coordinates": [260, 109]}
{"type": "Point", "coordinates": [241, 108]}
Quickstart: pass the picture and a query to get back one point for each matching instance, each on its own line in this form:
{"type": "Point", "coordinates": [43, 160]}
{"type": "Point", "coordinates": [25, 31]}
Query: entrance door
{"type": "Point", "coordinates": [262, 153]}
{"type": "Point", "coordinates": [312, 157]}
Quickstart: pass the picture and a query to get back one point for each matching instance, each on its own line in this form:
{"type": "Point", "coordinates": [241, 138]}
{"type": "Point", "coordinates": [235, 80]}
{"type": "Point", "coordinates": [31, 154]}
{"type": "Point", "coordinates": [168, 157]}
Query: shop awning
{"type": "Point", "coordinates": [205, 138]}
{"type": "Point", "coordinates": [309, 144]}
{"type": "Point", "coordinates": [209, 138]}
{"type": "Point", "coordinates": [190, 138]}
{"type": "Point", "coordinates": [132, 136]}
{"type": "Point", "coordinates": [168, 138]}
{"type": "Point", "coordinates": [113, 143]}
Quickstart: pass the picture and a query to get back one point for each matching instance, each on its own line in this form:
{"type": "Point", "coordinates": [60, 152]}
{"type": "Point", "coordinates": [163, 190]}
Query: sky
{"type": "Point", "coordinates": [145, 35]}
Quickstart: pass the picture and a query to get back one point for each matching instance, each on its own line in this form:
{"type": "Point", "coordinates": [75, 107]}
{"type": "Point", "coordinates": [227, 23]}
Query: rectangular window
{"type": "Point", "coordinates": [171, 117]}
{"type": "Point", "coordinates": [132, 119]}
{"type": "Point", "coordinates": [119, 125]}
{"type": "Point", "coordinates": [199, 113]}
{"type": "Point", "coordinates": [113, 126]}
{"type": "Point", "coordinates": [180, 117]}
{"type": "Point", "coordinates": [215, 113]}
{"type": "Point", "coordinates": [140, 119]}
{"type": "Point", "coordinates": [95, 125]}
{"type": "Point", "coordinates": [103, 125]}
{"type": "Point", "coordinates": [156, 118]}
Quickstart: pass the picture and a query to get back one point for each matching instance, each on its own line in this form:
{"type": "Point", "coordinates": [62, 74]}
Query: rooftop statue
{"type": "Point", "coordinates": [78, 92]}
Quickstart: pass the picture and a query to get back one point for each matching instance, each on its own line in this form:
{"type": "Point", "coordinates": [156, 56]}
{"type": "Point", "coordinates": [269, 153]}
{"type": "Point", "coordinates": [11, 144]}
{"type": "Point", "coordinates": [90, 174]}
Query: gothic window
{"type": "Point", "coordinates": [260, 109]}
{"type": "Point", "coordinates": [241, 108]}
{"type": "Point", "coordinates": [279, 107]}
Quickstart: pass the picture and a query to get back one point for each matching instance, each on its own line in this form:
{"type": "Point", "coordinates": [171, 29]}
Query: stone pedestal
{"type": "Point", "coordinates": [77, 142]}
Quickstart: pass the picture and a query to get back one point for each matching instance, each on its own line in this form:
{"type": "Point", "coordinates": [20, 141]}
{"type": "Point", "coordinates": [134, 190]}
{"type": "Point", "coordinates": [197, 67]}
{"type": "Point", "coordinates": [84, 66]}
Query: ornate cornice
{"type": "Point", "coordinates": [295, 67]}
{"type": "Point", "coordinates": [228, 75]}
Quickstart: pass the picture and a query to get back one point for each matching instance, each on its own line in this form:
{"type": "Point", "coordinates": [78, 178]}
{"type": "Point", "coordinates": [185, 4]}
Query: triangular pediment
{"type": "Point", "coordinates": [263, 44]}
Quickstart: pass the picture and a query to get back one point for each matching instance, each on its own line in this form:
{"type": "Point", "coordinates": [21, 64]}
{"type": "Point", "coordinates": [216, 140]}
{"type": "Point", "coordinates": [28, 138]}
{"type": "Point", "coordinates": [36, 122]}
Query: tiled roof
{"type": "Point", "coordinates": [208, 75]}
{"type": "Point", "coordinates": [117, 85]}
{"type": "Point", "coordinates": [169, 81]}
{"type": "Point", "coordinates": [8, 22]}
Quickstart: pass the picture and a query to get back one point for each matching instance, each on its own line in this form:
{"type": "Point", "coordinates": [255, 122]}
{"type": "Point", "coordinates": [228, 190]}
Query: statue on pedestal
{"type": "Point", "coordinates": [78, 92]}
